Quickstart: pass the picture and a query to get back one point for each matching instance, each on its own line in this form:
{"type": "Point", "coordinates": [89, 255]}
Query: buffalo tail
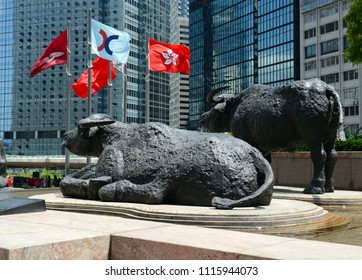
{"type": "Point", "coordinates": [262, 196]}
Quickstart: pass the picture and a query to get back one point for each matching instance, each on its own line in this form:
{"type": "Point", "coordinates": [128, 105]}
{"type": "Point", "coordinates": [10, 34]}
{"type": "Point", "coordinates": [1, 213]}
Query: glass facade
{"type": "Point", "coordinates": [33, 110]}
{"type": "Point", "coordinates": [240, 43]}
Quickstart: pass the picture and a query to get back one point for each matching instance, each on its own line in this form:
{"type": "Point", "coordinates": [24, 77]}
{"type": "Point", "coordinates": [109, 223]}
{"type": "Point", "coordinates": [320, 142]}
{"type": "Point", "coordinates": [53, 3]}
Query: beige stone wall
{"type": "Point", "coordinates": [296, 169]}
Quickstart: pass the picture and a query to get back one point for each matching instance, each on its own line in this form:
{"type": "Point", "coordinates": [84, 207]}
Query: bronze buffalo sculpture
{"type": "Point", "coordinates": [154, 163]}
{"type": "Point", "coordinates": [283, 118]}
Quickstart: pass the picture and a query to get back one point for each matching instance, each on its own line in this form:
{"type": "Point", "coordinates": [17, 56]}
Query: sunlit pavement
{"type": "Point", "coordinates": [10, 192]}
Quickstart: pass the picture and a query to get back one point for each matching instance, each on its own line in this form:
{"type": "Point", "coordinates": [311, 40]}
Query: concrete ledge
{"type": "Point", "coordinates": [75, 162]}
{"type": "Point", "coordinates": [64, 235]}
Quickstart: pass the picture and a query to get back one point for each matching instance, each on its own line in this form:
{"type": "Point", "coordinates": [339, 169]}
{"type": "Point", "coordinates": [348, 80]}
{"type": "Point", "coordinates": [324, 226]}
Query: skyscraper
{"type": "Point", "coordinates": [240, 43]}
{"type": "Point", "coordinates": [179, 98]}
{"type": "Point", "coordinates": [32, 119]}
{"type": "Point", "coordinates": [323, 41]}
{"type": "Point", "coordinates": [183, 8]}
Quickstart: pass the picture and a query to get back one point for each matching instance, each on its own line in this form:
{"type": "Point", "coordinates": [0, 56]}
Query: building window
{"type": "Point", "coordinates": [351, 129]}
{"type": "Point", "coordinates": [351, 111]}
{"type": "Point", "coordinates": [350, 93]}
{"type": "Point", "coordinates": [25, 134]}
{"type": "Point", "coordinates": [330, 78]}
{"type": "Point", "coordinates": [47, 134]}
{"type": "Point", "coordinates": [330, 61]}
{"type": "Point", "coordinates": [329, 46]}
{"type": "Point", "coordinates": [329, 27]}
{"type": "Point", "coordinates": [310, 33]}
{"type": "Point", "coordinates": [350, 75]}
{"type": "Point", "coordinates": [310, 17]}
{"type": "Point", "coordinates": [311, 65]}
{"type": "Point", "coordinates": [345, 42]}
{"type": "Point", "coordinates": [328, 11]}
{"type": "Point", "coordinates": [310, 51]}
{"type": "Point", "coordinates": [8, 135]}
{"type": "Point", "coordinates": [346, 4]}
{"type": "Point", "coordinates": [344, 23]}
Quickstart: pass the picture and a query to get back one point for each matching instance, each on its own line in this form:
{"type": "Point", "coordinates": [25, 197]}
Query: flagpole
{"type": "Point", "coordinates": [147, 81]}
{"type": "Point", "coordinates": [124, 73]}
{"type": "Point", "coordinates": [69, 88]}
{"type": "Point", "coordinates": [109, 105]}
{"type": "Point", "coordinates": [89, 68]}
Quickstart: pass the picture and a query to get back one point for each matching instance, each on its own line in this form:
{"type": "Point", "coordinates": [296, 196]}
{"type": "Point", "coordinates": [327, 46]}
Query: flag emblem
{"type": "Point", "coordinates": [110, 43]}
{"type": "Point", "coordinates": [106, 41]}
{"type": "Point", "coordinates": [170, 58]}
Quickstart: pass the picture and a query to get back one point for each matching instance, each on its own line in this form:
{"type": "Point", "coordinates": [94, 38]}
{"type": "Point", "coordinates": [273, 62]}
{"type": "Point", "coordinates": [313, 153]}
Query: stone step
{"type": "Point", "coordinates": [338, 198]}
{"type": "Point", "coordinates": [281, 213]}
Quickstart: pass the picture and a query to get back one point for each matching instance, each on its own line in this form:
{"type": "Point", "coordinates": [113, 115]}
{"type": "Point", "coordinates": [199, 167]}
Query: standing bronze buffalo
{"type": "Point", "coordinates": [283, 118]}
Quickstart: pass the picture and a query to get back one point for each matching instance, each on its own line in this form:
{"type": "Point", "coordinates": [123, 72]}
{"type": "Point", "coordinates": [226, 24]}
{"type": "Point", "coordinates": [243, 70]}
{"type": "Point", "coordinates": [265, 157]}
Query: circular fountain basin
{"type": "Point", "coordinates": [281, 216]}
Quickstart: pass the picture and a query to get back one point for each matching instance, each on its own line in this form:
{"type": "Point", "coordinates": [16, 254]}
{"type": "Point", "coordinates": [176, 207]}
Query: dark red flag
{"type": "Point", "coordinates": [171, 58]}
{"type": "Point", "coordinates": [55, 54]}
{"type": "Point", "coordinates": [99, 78]}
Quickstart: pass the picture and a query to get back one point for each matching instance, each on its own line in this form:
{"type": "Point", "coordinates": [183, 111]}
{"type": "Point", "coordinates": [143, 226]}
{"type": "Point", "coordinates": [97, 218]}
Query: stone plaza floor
{"type": "Point", "coordinates": [54, 234]}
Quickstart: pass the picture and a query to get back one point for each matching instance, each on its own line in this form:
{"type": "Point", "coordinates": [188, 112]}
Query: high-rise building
{"type": "Point", "coordinates": [179, 99]}
{"type": "Point", "coordinates": [183, 8]}
{"type": "Point", "coordinates": [323, 40]}
{"type": "Point", "coordinates": [33, 110]}
{"type": "Point", "coordinates": [240, 43]}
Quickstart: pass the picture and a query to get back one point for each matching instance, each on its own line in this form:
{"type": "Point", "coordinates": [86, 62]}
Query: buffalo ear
{"type": "Point", "coordinates": [220, 107]}
{"type": "Point", "coordinates": [96, 120]}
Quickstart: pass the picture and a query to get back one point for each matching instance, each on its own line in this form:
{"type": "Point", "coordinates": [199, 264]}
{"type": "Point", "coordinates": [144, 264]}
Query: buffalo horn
{"type": "Point", "coordinates": [210, 96]}
{"type": "Point", "coordinates": [96, 120]}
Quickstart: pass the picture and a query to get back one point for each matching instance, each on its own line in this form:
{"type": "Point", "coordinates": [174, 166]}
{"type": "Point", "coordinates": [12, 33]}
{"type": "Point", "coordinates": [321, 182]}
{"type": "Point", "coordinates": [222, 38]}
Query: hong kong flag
{"type": "Point", "coordinates": [54, 54]}
{"type": "Point", "coordinates": [99, 78]}
{"type": "Point", "coordinates": [171, 58]}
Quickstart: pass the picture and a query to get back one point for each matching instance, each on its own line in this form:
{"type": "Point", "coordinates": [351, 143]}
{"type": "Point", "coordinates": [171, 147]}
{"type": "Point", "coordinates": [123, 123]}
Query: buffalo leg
{"type": "Point", "coordinates": [126, 191]}
{"type": "Point", "coordinates": [329, 166]}
{"type": "Point", "coordinates": [73, 187]}
{"type": "Point", "coordinates": [76, 184]}
{"type": "Point", "coordinates": [318, 156]}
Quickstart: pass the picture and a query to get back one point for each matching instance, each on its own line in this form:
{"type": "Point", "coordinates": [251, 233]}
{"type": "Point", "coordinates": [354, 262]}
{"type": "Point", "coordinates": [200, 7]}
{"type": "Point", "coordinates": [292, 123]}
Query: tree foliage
{"type": "Point", "coordinates": [354, 32]}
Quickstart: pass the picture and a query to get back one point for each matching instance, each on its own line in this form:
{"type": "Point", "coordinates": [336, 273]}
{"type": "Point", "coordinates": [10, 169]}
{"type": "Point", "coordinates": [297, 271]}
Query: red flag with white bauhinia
{"type": "Point", "coordinates": [99, 78]}
{"type": "Point", "coordinates": [171, 58]}
{"type": "Point", "coordinates": [55, 54]}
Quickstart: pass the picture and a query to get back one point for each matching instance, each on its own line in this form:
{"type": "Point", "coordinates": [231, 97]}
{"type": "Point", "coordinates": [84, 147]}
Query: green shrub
{"type": "Point", "coordinates": [351, 144]}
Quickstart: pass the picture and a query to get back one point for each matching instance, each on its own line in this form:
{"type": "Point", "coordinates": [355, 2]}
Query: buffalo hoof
{"type": "Point", "coordinates": [107, 193]}
{"type": "Point", "coordinates": [313, 190]}
{"type": "Point", "coordinates": [221, 203]}
{"type": "Point", "coordinates": [329, 186]}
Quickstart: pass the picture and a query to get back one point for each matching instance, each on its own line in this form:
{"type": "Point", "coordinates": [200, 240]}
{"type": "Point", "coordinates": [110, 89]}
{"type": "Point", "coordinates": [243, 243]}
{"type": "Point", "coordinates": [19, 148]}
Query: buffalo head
{"type": "Point", "coordinates": [213, 120]}
{"type": "Point", "coordinates": [85, 139]}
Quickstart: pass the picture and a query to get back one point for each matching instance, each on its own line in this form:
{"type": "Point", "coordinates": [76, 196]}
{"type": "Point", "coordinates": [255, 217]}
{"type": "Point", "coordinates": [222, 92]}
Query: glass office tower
{"type": "Point", "coordinates": [240, 43]}
{"type": "Point", "coordinates": [33, 110]}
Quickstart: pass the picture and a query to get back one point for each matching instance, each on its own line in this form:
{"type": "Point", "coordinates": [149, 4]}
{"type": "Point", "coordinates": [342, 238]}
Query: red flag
{"type": "Point", "coordinates": [99, 78]}
{"type": "Point", "coordinates": [169, 58]}
{"type": "Point", "coordinates": [55, 54]}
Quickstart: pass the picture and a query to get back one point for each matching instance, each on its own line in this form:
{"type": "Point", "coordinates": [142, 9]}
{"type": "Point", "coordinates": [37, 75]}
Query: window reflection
{"type": "Point", "coordinates": [232, 42]}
